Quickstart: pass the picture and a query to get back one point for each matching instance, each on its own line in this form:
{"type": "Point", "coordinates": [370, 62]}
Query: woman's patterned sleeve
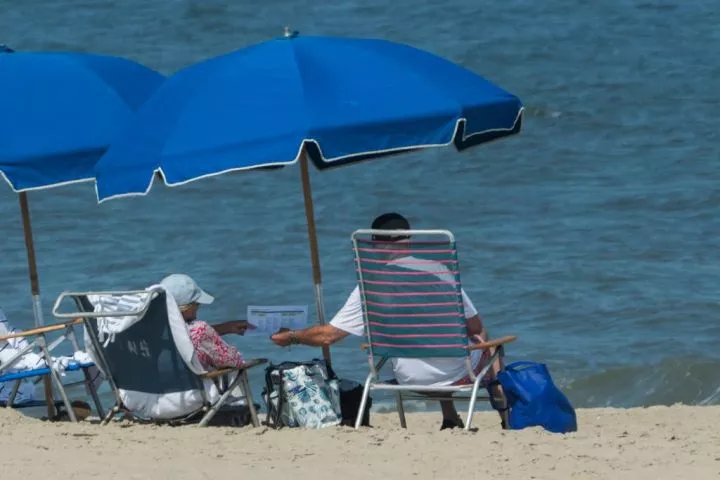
{"type": "Point", "coordinates": [212, 349]}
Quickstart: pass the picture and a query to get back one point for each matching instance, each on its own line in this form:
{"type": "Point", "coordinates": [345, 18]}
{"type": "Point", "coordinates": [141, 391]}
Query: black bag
{"type": "Point", "coordinates": [350, 398]}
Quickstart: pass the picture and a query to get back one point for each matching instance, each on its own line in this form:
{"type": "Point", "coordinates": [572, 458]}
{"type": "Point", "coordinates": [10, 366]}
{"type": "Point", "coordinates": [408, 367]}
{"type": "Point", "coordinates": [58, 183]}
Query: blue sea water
{"type": "Point", "coordinates": [593, 235]}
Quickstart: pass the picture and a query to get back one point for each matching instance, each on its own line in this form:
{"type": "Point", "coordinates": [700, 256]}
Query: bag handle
{"type": "Point", "coordinates": [521, 365]}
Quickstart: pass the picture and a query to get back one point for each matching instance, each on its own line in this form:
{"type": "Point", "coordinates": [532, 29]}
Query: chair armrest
{"type": "Point", "coordinates": [246, 365]}
{"type": "Point", "coordinates": [492, 343]}
{"type": "Point", "coordinates": [220, 373]}
{"type": "Point", "coordinates": [44, 329]}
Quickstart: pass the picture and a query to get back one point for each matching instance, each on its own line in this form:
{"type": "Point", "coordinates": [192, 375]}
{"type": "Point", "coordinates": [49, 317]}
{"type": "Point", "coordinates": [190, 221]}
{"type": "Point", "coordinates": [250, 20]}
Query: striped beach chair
{"type": "Point", "coordinates": [151, 364]}
{"type": "Point", "coordinates": [412, 306]}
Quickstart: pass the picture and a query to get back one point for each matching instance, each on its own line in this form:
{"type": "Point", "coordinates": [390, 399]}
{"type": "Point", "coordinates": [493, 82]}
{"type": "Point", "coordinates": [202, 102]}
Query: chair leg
{"type": "Point", "coordinates": [400, 408]}
{"type": "Point", "coordinates": [249, 399]}
{"type": "Point", "coordinates": [473, 401]}
{"type": "Point", "coordinates": [63, 394]}
{"type": "Point", "coordinates": [115, 409]}
{"type": "Point", "coordinates": [49, 396]}
{"type": "Point", "coordinates": [363, 402]}
{"type": "Point", "coordinates": [90, 387]}
{"type": "Point", "coordinates": [223, 398]}
{"type": "Point", "coordinates": [58, 382]}
{"type": "Point", "coordinates": [13, 393]}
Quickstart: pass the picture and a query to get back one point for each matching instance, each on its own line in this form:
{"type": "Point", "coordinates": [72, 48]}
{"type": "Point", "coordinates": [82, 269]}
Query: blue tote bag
{"type": "Point", "coordinates": [534, 400]}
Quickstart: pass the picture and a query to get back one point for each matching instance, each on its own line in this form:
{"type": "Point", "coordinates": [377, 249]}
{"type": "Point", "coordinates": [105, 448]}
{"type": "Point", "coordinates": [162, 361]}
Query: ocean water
{"type": "Point", "coordinates": [593, 235]}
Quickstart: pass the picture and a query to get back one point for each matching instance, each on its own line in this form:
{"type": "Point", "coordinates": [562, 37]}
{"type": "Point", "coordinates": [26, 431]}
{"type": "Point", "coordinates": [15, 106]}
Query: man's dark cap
{"type": "Point", "coordinates": [390, 221]}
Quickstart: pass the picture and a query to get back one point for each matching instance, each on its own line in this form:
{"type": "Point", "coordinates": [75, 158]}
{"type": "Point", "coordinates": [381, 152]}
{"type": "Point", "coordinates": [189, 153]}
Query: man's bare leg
{"type": "Point", "coordinates": [499, 400]}
{"type": "Point", "coordinates": [451, 418]}
{"type": "Point", "coordinates": [499, 403]}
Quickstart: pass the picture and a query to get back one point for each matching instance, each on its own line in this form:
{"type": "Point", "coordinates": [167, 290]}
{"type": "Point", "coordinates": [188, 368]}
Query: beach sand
{"type": "Point", "coordinates": [675, 442]}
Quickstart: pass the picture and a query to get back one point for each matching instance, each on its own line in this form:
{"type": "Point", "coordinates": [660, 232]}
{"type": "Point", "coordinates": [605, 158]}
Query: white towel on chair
{"type": "Point", "coordinates": [32, 361]}
{"type": "Point", "coordinates": [60, 364]}
{"type": "Point", "coordinates": [109, 326]}
{"type": "Point", "coordinates": [29, 361]}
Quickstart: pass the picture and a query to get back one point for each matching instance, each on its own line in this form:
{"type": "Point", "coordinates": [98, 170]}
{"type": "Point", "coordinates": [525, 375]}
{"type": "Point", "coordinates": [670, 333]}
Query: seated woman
{"type": "Point", "coordinates": [212, 351]}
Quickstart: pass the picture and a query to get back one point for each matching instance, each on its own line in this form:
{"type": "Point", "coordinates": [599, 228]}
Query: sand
{"type": "Point", "coordinates": [653, 443]}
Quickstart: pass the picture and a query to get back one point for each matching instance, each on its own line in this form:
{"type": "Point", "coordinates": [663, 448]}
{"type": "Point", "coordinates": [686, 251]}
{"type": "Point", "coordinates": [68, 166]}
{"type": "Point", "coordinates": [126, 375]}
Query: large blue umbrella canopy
{"type": "Point", "coordinates": [346, 99]}
{"type": "Point", "coordinates": [333, 100]}
{"type": "Point", "coordinates": [60, 111]}
{"type": "Point", "coordinates": [58, 114]}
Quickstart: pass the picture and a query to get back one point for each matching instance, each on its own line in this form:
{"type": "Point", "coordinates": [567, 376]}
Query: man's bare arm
{"type": "Point", "coordinates": [476, 328]}
{"type": "Point", "coordinates": [315, 336]}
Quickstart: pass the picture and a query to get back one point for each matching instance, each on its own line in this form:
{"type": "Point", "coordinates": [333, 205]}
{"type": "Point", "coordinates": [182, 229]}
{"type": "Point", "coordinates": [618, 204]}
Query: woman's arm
{"type": "Point", "coordinates": [238, 327]}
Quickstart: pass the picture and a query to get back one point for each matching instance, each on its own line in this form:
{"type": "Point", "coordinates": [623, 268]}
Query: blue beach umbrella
{"type": "Point", "coordinates": [330, 100]}
{"type": "Point", "coordinates": [58, 114]}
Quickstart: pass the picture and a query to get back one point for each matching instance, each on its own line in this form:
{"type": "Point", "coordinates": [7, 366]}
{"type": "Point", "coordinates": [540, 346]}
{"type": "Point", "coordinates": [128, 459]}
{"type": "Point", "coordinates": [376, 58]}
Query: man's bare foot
{"type": "Point", "coordinates": [450, 423]}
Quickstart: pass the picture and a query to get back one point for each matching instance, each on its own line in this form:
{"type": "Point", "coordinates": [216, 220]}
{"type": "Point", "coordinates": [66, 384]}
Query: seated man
{"type": "Point", "coordinates": [436, 372]}
{"type": "Point", "coordinates": [213, 352]}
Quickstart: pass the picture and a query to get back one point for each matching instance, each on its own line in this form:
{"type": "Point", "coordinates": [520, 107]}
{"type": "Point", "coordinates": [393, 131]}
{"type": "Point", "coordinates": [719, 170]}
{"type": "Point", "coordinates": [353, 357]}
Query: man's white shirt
{"type": "Point", "coordinates": [416, 371]}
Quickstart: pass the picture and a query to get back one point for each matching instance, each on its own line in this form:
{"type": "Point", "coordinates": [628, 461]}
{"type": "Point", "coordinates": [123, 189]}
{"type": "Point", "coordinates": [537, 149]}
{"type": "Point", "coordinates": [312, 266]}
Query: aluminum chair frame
{"type": "Point", "coordinates": [373, 382]}
{"type": "Point", "coordinates": [41, 343]}
{"type": "Point", "coordinates": [209, 409]}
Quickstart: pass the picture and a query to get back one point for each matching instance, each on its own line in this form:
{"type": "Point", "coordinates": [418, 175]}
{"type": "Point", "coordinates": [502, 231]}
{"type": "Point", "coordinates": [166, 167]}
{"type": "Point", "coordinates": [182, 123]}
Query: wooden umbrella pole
{"type": "Point", "coordinates": [314, 254]}
{"type": "Point", "coordinates": [32, 264]}
{"type": "Point", "coordinates": [35, 290]}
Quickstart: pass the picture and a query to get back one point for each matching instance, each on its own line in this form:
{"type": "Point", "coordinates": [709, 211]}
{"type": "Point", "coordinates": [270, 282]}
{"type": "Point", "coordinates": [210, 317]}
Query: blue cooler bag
{"type": "Point", "coordinates": [534, 400]}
